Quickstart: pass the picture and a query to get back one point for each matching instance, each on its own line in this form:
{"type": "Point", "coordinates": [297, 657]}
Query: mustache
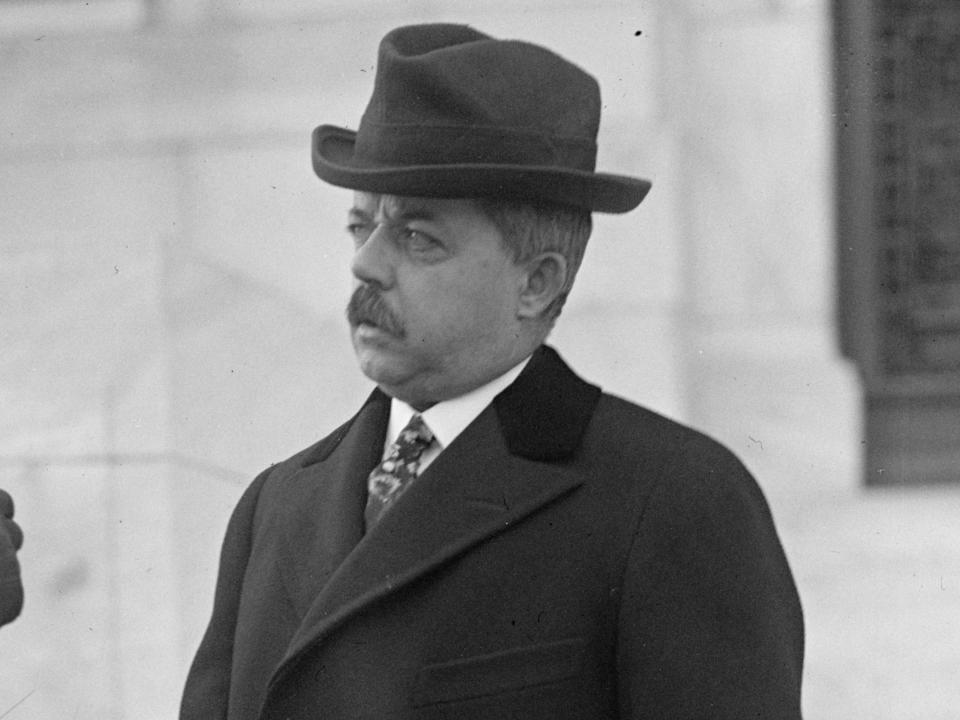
{"type": "Point", "coordinates": [367, 306]}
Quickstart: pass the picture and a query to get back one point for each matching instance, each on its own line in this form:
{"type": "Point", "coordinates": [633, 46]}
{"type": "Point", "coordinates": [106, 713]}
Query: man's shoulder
{"type": "Point", "coordinates": [310, 454]}
{"type": "Point", "coordinates": [640, 434]}
{"type": "Point", "coordinates": [621, 419]}
{"type": "Point", "coordinates": [681, 462]}
{"type": "Point", "coordinates": [371, 419]}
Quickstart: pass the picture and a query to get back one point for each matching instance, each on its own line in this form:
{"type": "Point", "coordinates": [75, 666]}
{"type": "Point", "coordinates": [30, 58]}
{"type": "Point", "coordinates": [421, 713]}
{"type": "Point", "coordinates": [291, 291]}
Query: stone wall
{"type": "Point", "coordinates": [173, 280]}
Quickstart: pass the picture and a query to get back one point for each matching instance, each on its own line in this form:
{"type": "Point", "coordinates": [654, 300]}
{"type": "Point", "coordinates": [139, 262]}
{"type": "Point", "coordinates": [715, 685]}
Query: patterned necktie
{"type": "Point", "coordinates": [392, 476]}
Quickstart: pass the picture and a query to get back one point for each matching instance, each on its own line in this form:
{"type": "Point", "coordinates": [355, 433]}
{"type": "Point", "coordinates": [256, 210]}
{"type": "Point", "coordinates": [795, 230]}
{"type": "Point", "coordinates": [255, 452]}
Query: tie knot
{"type": "Point", "coordinates": [416, 432]}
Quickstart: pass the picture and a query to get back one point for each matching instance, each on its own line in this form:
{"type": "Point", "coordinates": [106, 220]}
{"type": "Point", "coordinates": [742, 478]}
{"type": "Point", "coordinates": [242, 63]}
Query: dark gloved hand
{"type": "Point", "coordinates": [11, 538]}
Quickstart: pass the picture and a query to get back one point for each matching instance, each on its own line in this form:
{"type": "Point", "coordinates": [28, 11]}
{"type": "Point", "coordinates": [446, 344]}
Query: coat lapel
{"type": "Point", "coordinates": [332, 484]}
{"type": "Point", "coordinates": [481, 485]}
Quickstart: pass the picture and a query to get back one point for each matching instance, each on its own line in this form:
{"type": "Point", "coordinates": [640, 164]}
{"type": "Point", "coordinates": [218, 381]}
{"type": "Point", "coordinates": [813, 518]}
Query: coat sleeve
{"type": "Point", "coordinates": [11, 587]}
{"type": "Point", "coordinates": [710, 622]}
{"type": "Point", "coordinates": [207, 690]}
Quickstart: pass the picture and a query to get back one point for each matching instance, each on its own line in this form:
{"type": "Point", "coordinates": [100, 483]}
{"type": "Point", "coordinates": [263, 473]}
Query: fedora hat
{"type": "Point", "coordinates": [458, 114]}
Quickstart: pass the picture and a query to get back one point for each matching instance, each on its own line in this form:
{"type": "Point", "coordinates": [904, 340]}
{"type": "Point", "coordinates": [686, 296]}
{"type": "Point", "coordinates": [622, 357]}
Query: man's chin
{"type": "Point", "coordinates": [378, 360]}
{"type": "Point", "coordinates": [379, 353]}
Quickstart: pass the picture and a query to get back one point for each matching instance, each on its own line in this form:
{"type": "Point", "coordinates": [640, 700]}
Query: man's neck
{"type": "Point", "coordinates": [449, 418]}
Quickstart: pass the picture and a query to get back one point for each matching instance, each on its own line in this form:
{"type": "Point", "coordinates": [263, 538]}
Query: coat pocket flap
{"type": "Point", "coordinates": [498, 672]}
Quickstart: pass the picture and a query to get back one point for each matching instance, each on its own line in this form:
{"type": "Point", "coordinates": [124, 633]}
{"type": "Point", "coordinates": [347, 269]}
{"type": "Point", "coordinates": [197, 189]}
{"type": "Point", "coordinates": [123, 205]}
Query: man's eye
{"type": "Point", "coordinates": [360, 231]}
{"type": "Point", "coordinates": [418, 241]}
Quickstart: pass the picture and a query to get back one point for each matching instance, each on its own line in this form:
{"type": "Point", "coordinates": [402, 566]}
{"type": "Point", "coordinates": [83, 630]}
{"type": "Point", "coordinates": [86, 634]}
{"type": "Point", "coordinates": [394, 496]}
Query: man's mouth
{"type": "Point", "coordinates": [368, 327]}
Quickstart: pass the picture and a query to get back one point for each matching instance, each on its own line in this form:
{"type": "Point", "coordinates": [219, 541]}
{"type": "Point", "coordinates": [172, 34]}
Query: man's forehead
{"type": "Point", "coordinates": [406, 206]}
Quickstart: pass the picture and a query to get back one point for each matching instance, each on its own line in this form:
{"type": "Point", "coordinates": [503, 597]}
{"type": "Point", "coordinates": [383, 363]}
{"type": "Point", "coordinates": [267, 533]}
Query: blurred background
{"type": "Point", "coordinates": [173, 280]}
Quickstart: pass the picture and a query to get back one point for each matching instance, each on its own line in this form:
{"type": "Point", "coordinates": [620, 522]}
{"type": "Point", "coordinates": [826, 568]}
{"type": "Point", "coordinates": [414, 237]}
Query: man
{"type": "Point", "coordinates": [491, 536]}
{"type": "Point", "coordinates": [11, 538]}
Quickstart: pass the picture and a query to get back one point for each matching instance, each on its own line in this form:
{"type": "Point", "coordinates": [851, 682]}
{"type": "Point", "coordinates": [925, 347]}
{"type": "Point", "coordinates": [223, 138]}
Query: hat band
{"type": "Point", "coordinates": [413, 145]}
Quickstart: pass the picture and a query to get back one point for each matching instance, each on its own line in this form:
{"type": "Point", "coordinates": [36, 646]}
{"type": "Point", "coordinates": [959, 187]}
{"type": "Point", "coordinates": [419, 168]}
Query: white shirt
{"type": "Point", "coordinates": [449, 418]}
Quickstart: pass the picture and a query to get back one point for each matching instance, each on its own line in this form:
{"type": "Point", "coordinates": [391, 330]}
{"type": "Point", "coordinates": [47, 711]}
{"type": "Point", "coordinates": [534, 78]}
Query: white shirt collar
{"type": "Point", "coordinates": [450, 418]}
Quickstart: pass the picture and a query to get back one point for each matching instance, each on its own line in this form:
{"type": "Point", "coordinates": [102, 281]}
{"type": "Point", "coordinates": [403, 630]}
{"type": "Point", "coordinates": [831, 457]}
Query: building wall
{"type": "Point", "coordinates": [174, 277]}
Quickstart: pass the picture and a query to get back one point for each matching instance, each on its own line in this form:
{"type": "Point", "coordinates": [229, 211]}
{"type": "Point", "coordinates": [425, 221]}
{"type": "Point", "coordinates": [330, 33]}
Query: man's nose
{"type": "Point", "coordinates": [373, 260]}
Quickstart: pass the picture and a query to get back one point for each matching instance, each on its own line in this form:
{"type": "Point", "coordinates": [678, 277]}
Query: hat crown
{"type": "Point", "coordinates": [451, 72]}
{"type": "Point", "coordinates": [480, 99]}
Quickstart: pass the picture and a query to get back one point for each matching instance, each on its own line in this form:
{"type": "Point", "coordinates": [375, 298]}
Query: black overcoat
{"type": "Point", "coordinates": [569, 556]}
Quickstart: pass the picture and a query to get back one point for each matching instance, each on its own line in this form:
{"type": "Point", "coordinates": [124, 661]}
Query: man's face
{"type": "Point", "coordinates": [434, 311]}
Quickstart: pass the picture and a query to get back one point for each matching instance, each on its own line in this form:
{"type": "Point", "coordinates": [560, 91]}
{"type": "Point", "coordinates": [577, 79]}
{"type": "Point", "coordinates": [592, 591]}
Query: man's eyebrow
{"type": "Point", "coordinates": [358, 213]}
{"type": "Point", "coordinates": [395, 210]}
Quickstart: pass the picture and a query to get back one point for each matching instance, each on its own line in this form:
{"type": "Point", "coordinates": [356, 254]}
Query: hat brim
{"type": "Point", "coordinates": [334, 162]}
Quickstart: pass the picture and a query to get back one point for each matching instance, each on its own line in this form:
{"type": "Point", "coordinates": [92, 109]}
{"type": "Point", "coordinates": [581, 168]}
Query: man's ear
{"type": "Point", "coordinates": [544, 279]}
